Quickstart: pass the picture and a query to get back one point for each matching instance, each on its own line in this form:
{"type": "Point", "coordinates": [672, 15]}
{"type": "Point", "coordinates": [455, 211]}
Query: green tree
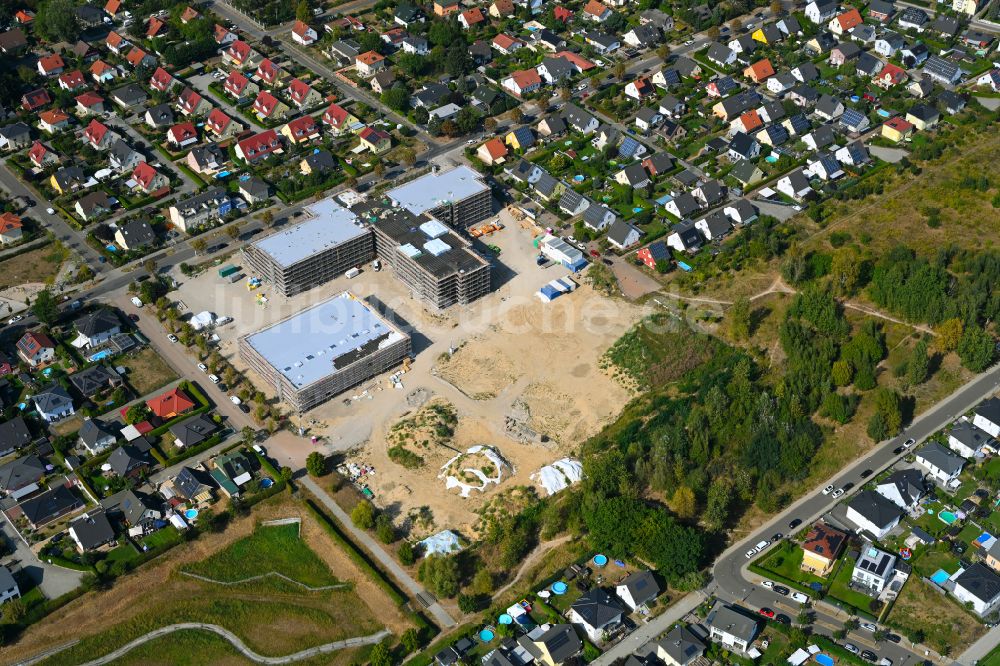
{"type": "Point", "coordinates": [406, 554]}
{"type": "Point", "coordinates": [380, 655]}
{"type": "Point", "coordinates": [949, 334]}
{"type": "Point", "coordinates": [976, 349]}
{"type": "Point", "coordinates": [137, 413]}
{"type": "Point", "coordinates": [410, 640]}
{"type": "Point", "coordinates": [302, 11]}
{"type": "Point", "coordinates": [739, 319]}
{"type": "Point", "coordinates": [384, 529]}
{"type": "Point", "coordinates": [845, 271]}
{"type": "Point", "coordinates": [841, 373]}
{"type": "Point", "coordinates": [441, 574]}
{"type": "Point", "coordinates": [316, 464]}
{"type": "Point", "coordinates": [720, 497]}
{"type": "Point", "coordinates": [683, 502]}
{"type": "Point", "coordinates": [363, 515]}
{"type": "Point", "coordinates": [396, 98]}
{"type": "Point", "coordinates": [45, 307]}
{"type": "Point", "coordinates": [56, 21]}
{"type": "Point", "coordinates": [919, 363]}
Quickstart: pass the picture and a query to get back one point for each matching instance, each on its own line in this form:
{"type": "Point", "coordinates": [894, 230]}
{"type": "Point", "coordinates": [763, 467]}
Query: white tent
{"type": "Point", "coordinates": [202, 320]}
{"type": "Point", "coordinates": [560, 475]}
{"type": "Point", "coordinates": [444, 542]}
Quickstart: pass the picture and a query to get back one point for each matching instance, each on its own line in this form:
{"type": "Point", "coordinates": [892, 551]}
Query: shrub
{"type": "Point", "coordinates": [363, 515]}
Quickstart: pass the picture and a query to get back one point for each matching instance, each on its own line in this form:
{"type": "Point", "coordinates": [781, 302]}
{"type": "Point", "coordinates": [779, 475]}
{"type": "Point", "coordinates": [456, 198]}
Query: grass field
{"type": "Point", "coordinates": [38, 265]}
{"type": "Point", "coordinates": [944, 623]}
{"type": "Point", "coordinates": [276, 548]}
{"type": "Point", "coordinates": [785, 562]}
{"type": "Point", "coordinates": [147, 371]}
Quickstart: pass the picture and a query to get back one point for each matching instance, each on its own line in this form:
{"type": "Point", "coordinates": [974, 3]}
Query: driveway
{"type": "Point", "coordinates": [54, 581]}
{"type": "Point", "coordinates": [886, 154]}
{"type": "Point", "coordinates": [633, 282]}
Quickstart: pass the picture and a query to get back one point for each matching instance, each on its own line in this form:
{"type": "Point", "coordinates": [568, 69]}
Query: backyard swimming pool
{"type": "Point", "coordinates": [940, 576]}
{"type": "Point", "coordinates": [947, 517]}
{"type": "Point", "coordinates": [771, 159]}
{"type": "Point", "coordinates": [824, 659]}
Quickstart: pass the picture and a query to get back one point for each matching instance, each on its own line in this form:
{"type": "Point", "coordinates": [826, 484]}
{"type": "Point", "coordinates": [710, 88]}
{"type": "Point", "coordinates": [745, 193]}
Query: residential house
{"type": "Point", "coordinates": [259, 146]}
{"type": "Point", "coordinates": [573, 203]}
{"type": "Point", "coordinates": [580, 120]}
{"type": "Point", "coordinates": [942, 70]}
{"type": "Point", "coordinates": [946, 26]}
{"type": "Point", "coordinates": [116, 43]}
{"type": "Point", "coordinates": [720, 55]}
{"type": "Point", "coordinates": [96, 328]}
{"type": "Point", "coordinates": [843, 53]}
{"type": "Point", "coordinates": [303, 34]}
{"type": "Point", "coordinates": [35, 99]}
{"type": "Point", "coordinates": [134, 235]}
{"type": "Point", "coordinates": [369, 64]}
{"type": "Point", "coordinates": [301, 130]}
{"type": "Point", "coordinates": [986, 416]}
{"type": "Point", "coordinates": [904, 488]}
{"type": "Point", "coordinates": [51, 65]}
{"type": "Point", "coordinates": [941, 464]}
{"type": "Point", "coordinates": [596, 11]}
{"type": "Point", "coordinates": [597, 613]}
{"type": "Point", "coordinates": [93, 205]}
{"type": "Point", "coordinates": [647, 118]}
{"type": "Point", "coordinates": [873, 513]}
{"type": "Point", "coordinates": [162, 81]}
{"type": "Point", "coordinates": [868, 65]}
{"type": "Point", "coordinates": [823, 166]}
{"type": "Point", "coordinates": [95, 380]}
{"type": "Point", "coordinates": [520, 138]}
{"type": "Point", "coordinates": [821, 548]}
{"type": "Point", "coordinates": [190, 484]}
{"type": "Point", "coordinates": [123, 158]}
{"type": "Point", "coordinates": [240, 54]}
{"type": "Point", "coordinates": [501, 9]}
{"type": "Point", "coordinates": [522, 82]}
{"type": "Point", "coordinates": [470, 18]}
{"type": "Point", "coordinates": [91, 531]}
{"type": "Point", "coordinates": [913, 18]}
{"type": "Point", "coordinates": [794, 185]}
{"type": "Point", "coordinates": [921, 87]}
{"type": "Point", "coordinates": [643, 36]}
{"type": "Point", "coordinates": [338, 119]}
{"type": "Point", "coordinates": [20, 477]}
{"type": "Point", "coordinates": [682, 205]}
{"type": "Point", "coordinates": [746, 173]}
{"type": "Point", "coordinates": [767, 34]}
{"type": "Point", "coordinates": [53, 403]}
{"type": "Point", "coordinates": [9, 589]}
{"type": "Point", "coordinates": [430, 96]}
{"type": "Point", "coordinates": [191, 103]}
{"type": "Point", "coordinates": [684, 237]}
{"type": "Point", "coordinates": [680, 647]}
{"type": "Point", "coordinates": [639, 89]}
{"type": "Point", "coordinates": [881, 10]}
{"type": "Point", "coordinates": [139, 58]}
{"type": "Point", "coordinates": [506, 44]}
{"type": "Point", "coordinates": [148, 179]}
{"type": "Point", "coordinates": [821, 11]}
{"type": "Point", "coordinates": [89, 104]}
{"type": "Point", "coordinates": [15, 137]}
{"type": "Point", "coordinates": [302, 94]}
{"type": "Point", "coordinates": [221, 126]}
{"type": "Point", "coordinates": [651, 255]}
{"type": "Point", "coordinates": [201, 209]}
{"type": "Point", "coordinates": [193, 431]}
{"type": "Point", "coordinates": [67, 179]}
{"type": "Point", "coordinates": [134, 509]}
{"type": "Point", "coordinates": [622, 235]}
{"type": "Point", "coordinates": [854, 121]}
{"type": "Point", "coordinates": [602, 42]}
{"type": "Point", "coordinates": [11, 228]}
{"type": "Point", "coordinates": [551, 645]}
{"type": "Point", "coordinates": [733, 629]}
{"type": "Point", "coordinates": [890, 76]}
{"type": "Point", "coordinates": [405, 14]}
{"type": "Point", "coordinates": [95, 436]}
{"type": "Point", "coordinates": [598, 217]}
{"type": "Point", "coordinates": [638, 588]}
{"type": "Point", "coordinates": [889, 43]}
{"type": "Point", "coordinates": [230, 471]}
{"type": "Point", "coordinates": [129, 97]}
{"type": "Point", "coordinates": [36, 348]}
{"type": "Point", "coordinates": [182, 135]}
{"type": "Point", "coordinates": [159, 116]}
{"type": "Point", "coordinates": [923, 116]}
{"type": "Point", "coordinates": [132, 460]}
{"type": "Point", "coordinates": [873, 570]}
{"type": "Point", "coordinates": [254, 191]}
{"type": "Point", "coordinates": [555, 70]}
{"type": "Point", "coordinates": [375, 140]}
{"type": "Point", "coordinates": [239, 87]}
{"type": "Point", "coordinates": [853, 154]}
{"type": "Point", "coordinates": [980, 586]}
{"type": "Point", "coordinates": [208, 160]}
{"type": "Point", "coordinates": [844, 23]}
{"type": "Point", "coordinates": [897, 129]}
{"type": "Point", "coordinates": [967, 440]}
{"type": "Point", "coordinates": [72, 80]}
{"type": "Point", "coordinates": [42, 156]}
{"type": "Point", "coordinates": [13, 42]}
{"type": "Point", "coordinates": [14, 436]}
{"type": "Point", "coordinates": [952, 102]}
{"type": "Point", "coordinates": [171, 403]}
{"type": "Point", "coordinates": [383, 81]}
{"type": "Point", "coordinates": [714, 226]}
{"type": "Point", "coordinates": [318, 162]}
{"type": "Point", "coordinates": [42, 509]}
{"type": "Point", "coordinates": [759, 71]}
{"type": "Point", "coordinates": [805, 72]}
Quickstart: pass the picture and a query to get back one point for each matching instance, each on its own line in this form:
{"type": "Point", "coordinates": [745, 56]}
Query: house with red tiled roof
{"type": "Point", "coordinates": [162, 80]}
{"type": "Point", "coordinates": [268, 72]}
{"type": "Point", "coordinates": [369, 63]}
{"type": "Point", "coordinates": [116, 43]}
{"type": "Point", "coordinates": [36, 99]}
{"type": "Point", "coordinates": [303, 34]}
{"type": "Point", "coordinates": [89, 103]}
{"type": "Point", "coordinates": [338, 119]}
{"type": "Point", "coordinates": [562, 14]}
{"type": "Point", "coordinates": [24, 16]}
{"type": "Point", "coordinates": [223, 36]}
{"type": "Point", "coordinates": [189, 14]}
{"type": "Point", "coordinates": [748, 122]}
{"type": "Point", "coordinates": [102, 72]}
{"type": "Point", "coordinates": [470, 18]}
{"type": "Point", "coordinates": [267, 106]}
{"type": "Point", "coordinates": [445, 7]}
{"type": "Point", "coordinates": [302, 94]}
{"type": "Point", "coordinates": [839, 25]}
{"type": "Point", "coordinates": [640, 89]}
{"type": "Point", "coordinates": [506, 44]}
{"type": "Point", "coordinates": [240, 54]}
{"type": "Point", "coordinates": [890, 75]}
{"type": "Point", "coordinates": [170, 404]}
{"type": "Point", "coordinates": [596, 11]}
{"type": "Point", "coordinates": [155, 28]}
{"type": "Point", "coordinates": [98, 135]}
{"type": "Point", "coordinates": [580, 64]}
{"type": "Point", "coordinates": [759, 71]}
{"type": "Point", "coordinates": [36, 348]}
{"type": "Point", "coordinates": [139, 58]}
{"type": "Point", "coordinates": [492, 152]}
{"type": "Point", "coordinates": [220, 125]}
{"type": "Point", "coordinates": [148, 179]}
{"type": "Point", "coordinates": [239, 87]}
{"type": "Point", "coordinates": [301, 130]}
{"type": "Point", "coordinates": [41, 155]}
{"type": "Point", "coordinates": [112, 7]}
{"type": "Point", "coordinates": [258, 146]}
{"type": "Point", "coordinates": [523, 81]}
{"type": "Point", "coordinates": [191, 103]}
{"type": "Point", "coordinates": [53, 120]}
{"type": "Point", "coordinates": [51, 65]}
{"type": "Point", "coordinates": [375, 140]}
{"type": "Point", "coordinates": [897, 129]}
{"type": "Point", "coordinates": [182, 134]}
{"type": "Point", "coordinates": [72, 80]}
{"type": "Point", "coordinates": [10, 228]}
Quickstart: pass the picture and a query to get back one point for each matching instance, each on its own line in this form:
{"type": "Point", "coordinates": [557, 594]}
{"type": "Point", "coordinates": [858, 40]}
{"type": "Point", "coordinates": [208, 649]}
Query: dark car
{"type": "Point", "coordinates": [133, 317]}
{"type": "Point", "coordinates": [896, 451]}
{"type": "Point", "coordinates": [795, 523]}
{"type": "Point", "coordinates": [892, 638]}
{"type": "Point", "coordinates": [868, 655]}
{"type": "Point", "coordinates": [782, 619]}
{"type": "Point", "coordinates": [607, 262]}
{"type": "Point", "coordinates": [847, 486]}
{"type": "Point", "coordinates": [245, 408]}
{"type": "Point", "coordinates": [865, 474]}
{"type": "Point", "coordinates": [780, 589]}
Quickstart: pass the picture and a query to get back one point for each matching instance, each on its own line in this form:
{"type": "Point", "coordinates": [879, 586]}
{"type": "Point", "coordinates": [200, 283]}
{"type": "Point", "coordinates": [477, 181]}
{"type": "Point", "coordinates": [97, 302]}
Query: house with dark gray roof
{"type": "Point", "coordinates": [968, 440]}
{"type": "Point", "coordinates": [680, 647]}
{"type": "Point", "coordinates": [980, 586]}
{"type": "Point", "coordinates": [50, 505]}
{"type": "Point", "coordinates": [53, 403]}
{"type": "Point", "coordinates": [129, 460]}
{"type": "Point", "coordinates": [573, 203]}
{"type": "Point", "coordinates": [873, 569]}
{"type": "Point", "coordinates": [684, 237]}
{"type": "Point", "coordinates": [555, 644]}
{"type": "Point", "coordinates": [96, 436]}
{"type": "Point", "coordinates": [92, 531]}
{"type": "Point", "coordinates": [14, 435]}
{"type": "Point", "coordinates": [637, 589]}
{"type": "Point", "coordinates": [96, 327]}
{"type": "Point", "coordinates": [873, 513]}
{"type": "Point", "coordinates": [622, 235]}
{"type": "Point", "coordinates": [598, 217]}
{"type": "Point", "coordinates": [731, 627]}
{"type": "Point", "coordinates": [193, 431]}
{"type": "Point", "coordinates": [135, 509]}
{"type": "Point", "coordinates": [942, 465]}
{"type": "Point", "coordinates": [904, 488]}
{"type": "Point", "coordinates": [597, 613]}
{"type": "Point", "coordinates": [579, 119]}
{"type": "Point", "coordinates": [21, 474]}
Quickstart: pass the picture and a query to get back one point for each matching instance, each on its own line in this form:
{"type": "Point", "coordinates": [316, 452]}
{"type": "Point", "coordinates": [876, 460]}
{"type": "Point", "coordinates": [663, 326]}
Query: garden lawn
{"type": "Point", "coordinates": [943, 622]}
{"type": "Point", "coordinates": [931, 560]}
{"type": "Point", "coordinates": [841, 591]}
{"type": "Point", "coordinates": [785, 563]}
{"type": "Point", "coordinates": [147, 371]}
{"type": "Point", "coordinates": [273, 548]}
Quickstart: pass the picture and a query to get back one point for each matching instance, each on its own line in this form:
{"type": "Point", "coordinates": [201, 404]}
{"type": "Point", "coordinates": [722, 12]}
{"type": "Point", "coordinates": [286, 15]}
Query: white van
{"type": "Point", "coordinates": [352, 273]}
{"type": "Point", "coordinates": [799, 597]}
{"type": "Point", "coordinates": [136, 302]}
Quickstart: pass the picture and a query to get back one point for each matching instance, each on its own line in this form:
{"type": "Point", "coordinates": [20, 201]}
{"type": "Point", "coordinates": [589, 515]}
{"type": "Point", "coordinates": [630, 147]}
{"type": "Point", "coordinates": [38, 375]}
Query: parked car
{"type": "Point", "coordinates": [908, 443]}
{"type": "Point", "coordinates": [893, 638]}
{"type": "Point", "coordinates": [868, 626]}
{"type": "Point", "coordinates": [781, 618]}
{"type": "Point", "coordinates": [203, 367]}
{"type": "Point", "coordinates": [15, 319]}
{"type": "Point", "coordinates": [852, 648]}
{"type": "Point", "coordinates": [761, 545]}
{"type": "Point", "coordinates": [766, 612]}
{"type": "Point", "coordinates": [868, 655]}
{"type": "Point", "coordinates": [837, 493]}
{"type": "Point", "coordinates": [782, 590]}
{"type": "Point", "coordinates": [172, 338]}
{"type": "Point", "coordinates": [777, 536]}
{"type": "Point", "coordinates": [235, 400]}
{"type": "Point", "coordinates": [751, 553]}
{"type": "Point", "coordinates": [799, 597]}
{"type": "Point", "coordinates": [865, 474]}
{"type": "Point", "coordinates": [214, 379]}
{"type": "Point", "coordinates": [794, 523]}
{"type": "Point", "coordinates": [828, 489]}
{"type": "Point", "coordinates": [767, 583]}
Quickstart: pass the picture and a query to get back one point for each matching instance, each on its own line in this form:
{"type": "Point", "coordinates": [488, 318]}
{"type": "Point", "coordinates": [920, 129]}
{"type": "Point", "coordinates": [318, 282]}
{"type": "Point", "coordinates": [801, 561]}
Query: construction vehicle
{"type": "Point", "coordinates": [485, 229]}
{"type": "Point", "coordinates": [406, 364]}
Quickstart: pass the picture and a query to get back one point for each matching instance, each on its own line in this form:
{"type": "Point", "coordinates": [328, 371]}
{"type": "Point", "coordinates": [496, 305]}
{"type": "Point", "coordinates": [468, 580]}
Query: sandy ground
{"type": "Point", "coordinates": [506, 353]}
{"type": "Point", "coordinates": [12, 299]}
{"type": "Point", "coordinates": [96, 611]}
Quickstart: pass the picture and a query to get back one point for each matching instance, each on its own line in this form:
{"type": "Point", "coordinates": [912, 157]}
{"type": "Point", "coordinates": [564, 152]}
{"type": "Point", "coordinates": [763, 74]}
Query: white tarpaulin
{"type": "Point", "coordinates": [559, 475]}
{"type": "Point", "coordinates": [799, 657]}
{"type": "Point", "coordinates": [81, 341]}
{"type": "Point", "coordinates": [442, 543]}
{"type": "Point", "coordinates": [202, 319]}
{"type": "Point", "coordinates": [494, 457]}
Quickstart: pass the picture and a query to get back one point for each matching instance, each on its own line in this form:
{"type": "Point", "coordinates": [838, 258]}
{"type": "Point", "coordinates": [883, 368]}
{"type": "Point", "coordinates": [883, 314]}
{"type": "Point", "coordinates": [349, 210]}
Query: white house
{"type": "Point", "coordinates": [980, 586]}
{"type": "Point", "coordinates": [967, 440]}
{"type": "Point", "coordinates": [53, 403]}
{"type": "Point", "coordinates": [821, 11]}
{"type": "Point", "coordinates": [8, 586]}
{"type": "Point", "coordinates": [95, 328]}
{"type": "Point", "coordinates": [623, 235]}
{"type": "Point", "coordinates": [942, 465]}
{"type": "Point", "coordinates": [731, 628]}
{"type": "Point", "coordinates": [596, 612]}
{"type": "Point", "coordinates": [987, 416]}
{"type": "Point", "coordinates": [637, 589]}
{"type": "Point", "coordinates": [872, 513]}
{"type": "Point", "coordinates": [904, 488]}
{"type": "Point", "coordinates": [795, 185]}
{"type": "Point", "coordinates": [873, 569]}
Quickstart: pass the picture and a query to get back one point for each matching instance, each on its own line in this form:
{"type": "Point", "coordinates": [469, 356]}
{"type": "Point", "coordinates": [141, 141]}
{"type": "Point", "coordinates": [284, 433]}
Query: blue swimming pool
{"type": "Point", "coordinates": [191, 514]}
{"type": "Point", "coordinates": [486, 635]}
{"type": "Point", "coordinates": [600, 560]}
{"type": "Point", "coordinates": [824, 659]}
{"type": "Point", "coordinates": [104, 353]}
{"type": "Point", "coordinates": [559, 587]}
{"type": "Point", "coordinates": [947, 517]}
{"type": "Point", "coordinates": [940, 576]}
{"type": "Point", "coordinates": [771, 159]}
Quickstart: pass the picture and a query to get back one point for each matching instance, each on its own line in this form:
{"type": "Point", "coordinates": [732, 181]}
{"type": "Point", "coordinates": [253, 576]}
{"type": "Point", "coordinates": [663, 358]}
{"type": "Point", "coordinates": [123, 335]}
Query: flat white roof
{"type": "Point", "coordinates": [305, 347]}
{"type": "Point", "coordinates": [436, 188]}
{"type": "Point", "coordinates": [330, 224]}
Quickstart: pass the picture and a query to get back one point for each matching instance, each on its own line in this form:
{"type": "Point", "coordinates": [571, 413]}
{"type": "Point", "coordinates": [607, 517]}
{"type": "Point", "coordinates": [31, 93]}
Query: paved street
{"type": "Point", "coordinates": [54, 581]}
